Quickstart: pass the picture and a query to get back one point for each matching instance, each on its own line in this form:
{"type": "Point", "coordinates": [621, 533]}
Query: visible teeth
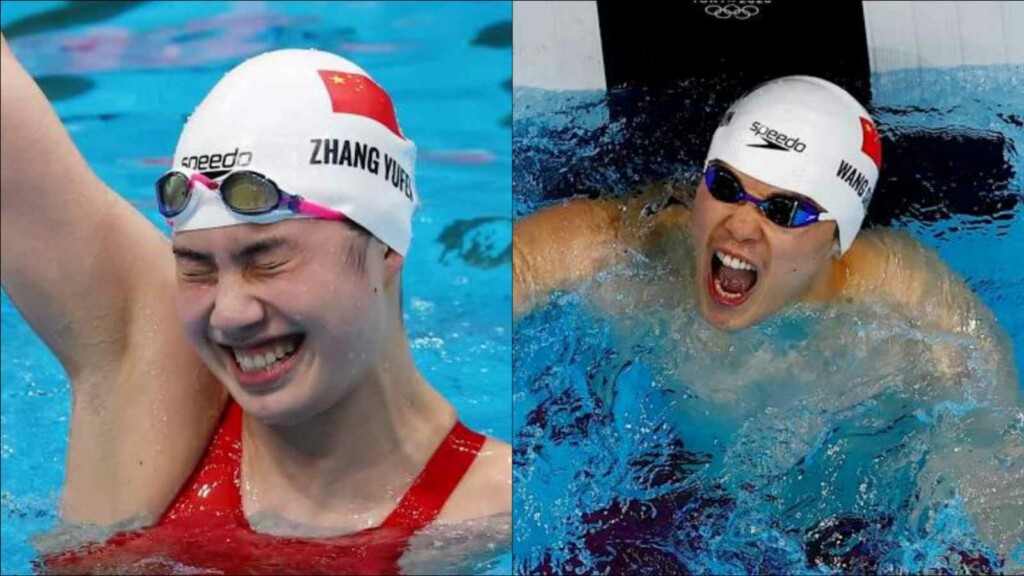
{"type": "Point", "coordinates": [723, 292]}
{"type": "Point", "coordinates": [250, 362]}
{"type": "Point", "coordinates": [735, 263]}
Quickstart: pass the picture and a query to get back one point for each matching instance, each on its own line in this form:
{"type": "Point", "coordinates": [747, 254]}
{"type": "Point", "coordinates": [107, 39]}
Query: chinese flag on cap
{"type": "Point", "coordinates": [872, 144]}
{"type": "Point", "coordinates": [357, 94]}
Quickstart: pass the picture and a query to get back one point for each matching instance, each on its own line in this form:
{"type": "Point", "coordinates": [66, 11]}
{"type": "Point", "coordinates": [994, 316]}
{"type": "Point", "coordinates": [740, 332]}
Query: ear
{"type": "Point", "coordinates": [392, 265]}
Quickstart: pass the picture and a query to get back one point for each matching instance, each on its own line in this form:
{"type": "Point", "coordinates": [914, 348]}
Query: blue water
{"type": "Point", "coordinates": [647, 442]}
{"type": "Point", "coordinates": [123, 84]}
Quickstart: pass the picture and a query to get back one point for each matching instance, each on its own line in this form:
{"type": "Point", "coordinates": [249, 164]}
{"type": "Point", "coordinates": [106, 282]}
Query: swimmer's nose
{"type": "Point", "coordinates": [745, 223]}
{"type": "Point", "coordinates": [237, 315]}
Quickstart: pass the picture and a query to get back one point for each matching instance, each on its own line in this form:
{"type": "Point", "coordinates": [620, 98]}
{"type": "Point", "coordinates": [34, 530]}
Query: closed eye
{"type": "Point", "coordinates": [198, 276]}
{"type": "Point", "coordinates": [191, 265]}
{"type": "Point", "coordinates": [268, 266]}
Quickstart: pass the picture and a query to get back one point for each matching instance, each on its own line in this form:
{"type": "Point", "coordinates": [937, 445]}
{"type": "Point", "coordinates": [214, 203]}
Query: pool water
{"type": "Point", "coordinates": [824, 440]}
{"type": "Point", "coordinates": [124, 76]}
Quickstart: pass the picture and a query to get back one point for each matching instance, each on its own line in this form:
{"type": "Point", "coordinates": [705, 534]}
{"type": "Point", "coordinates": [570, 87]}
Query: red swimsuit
{"type": "Point", "coordinates": [205, 527]}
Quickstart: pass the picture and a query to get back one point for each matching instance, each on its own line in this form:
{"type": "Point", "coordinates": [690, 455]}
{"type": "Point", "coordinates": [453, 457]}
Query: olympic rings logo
{"type": "Point", "coordinates": [731, 11]}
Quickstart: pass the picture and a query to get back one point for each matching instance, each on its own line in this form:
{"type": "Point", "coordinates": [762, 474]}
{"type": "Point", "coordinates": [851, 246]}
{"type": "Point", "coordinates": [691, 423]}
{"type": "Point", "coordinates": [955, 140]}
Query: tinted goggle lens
{"type": "Point", "coordinates": [780, 210]}
{"type": "Point", "coordinates": [723, 186]}
{"type": "Point", "coordinates": [248, 193]}
{"type": "Point", "coordinates": [172, 192]}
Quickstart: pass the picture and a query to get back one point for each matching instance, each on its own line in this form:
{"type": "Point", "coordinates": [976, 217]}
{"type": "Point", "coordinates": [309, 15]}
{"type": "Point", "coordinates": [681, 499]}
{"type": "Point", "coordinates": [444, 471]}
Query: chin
{"type": "Point", "coordinates": [727, 321]}
{"type": "Point", "coordinates": [279, 409]}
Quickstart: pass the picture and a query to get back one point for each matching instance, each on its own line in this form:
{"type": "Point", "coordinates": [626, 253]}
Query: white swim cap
{"type": "Point", "coordinates": [319, 127]}
{"type": "Point", "coordinates": [809, 136]}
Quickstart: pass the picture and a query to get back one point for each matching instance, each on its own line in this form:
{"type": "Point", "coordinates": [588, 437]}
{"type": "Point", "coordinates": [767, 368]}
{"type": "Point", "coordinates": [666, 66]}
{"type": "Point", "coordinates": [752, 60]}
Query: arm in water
{"type": "Point", "coordinates": [892, 267]}
{"type": "Point", "coordinates": [978, 457]}
{"type": "Point", "coordinates": [96, 281]}
{"type": "Point", "coordinates": [561, 247]}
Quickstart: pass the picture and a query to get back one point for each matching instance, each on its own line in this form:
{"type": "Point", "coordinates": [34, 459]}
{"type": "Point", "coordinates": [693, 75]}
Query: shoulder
{"type": "Point", "coordinates": [893, 267]}
{"type": "Point", "coordinates": [625, 220]}
{"type": "Point", "coordinates": [889, 261]}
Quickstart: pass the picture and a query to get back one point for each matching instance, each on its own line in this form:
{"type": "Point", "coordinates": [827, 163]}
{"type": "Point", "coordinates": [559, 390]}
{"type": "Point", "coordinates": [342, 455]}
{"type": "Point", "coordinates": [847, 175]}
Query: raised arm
{"type": "Point", "coordinates": [96, 281]}
{"type": "Point", "coordinates": [71, 247]}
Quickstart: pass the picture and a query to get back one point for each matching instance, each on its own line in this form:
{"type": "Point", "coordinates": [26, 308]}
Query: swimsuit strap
{"type": "Point", "coordinates": [213, 488]}
{"type": "Point", "coordinates": [439, 478]}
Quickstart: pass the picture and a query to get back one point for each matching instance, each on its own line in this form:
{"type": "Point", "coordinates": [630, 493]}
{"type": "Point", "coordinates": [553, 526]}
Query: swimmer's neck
{"type": "Point", "coordinates": [346, 467]}
{"type": "Point", "coordinates": [845, 277]}
{"type": "Point", "coordinates": [830, 282]}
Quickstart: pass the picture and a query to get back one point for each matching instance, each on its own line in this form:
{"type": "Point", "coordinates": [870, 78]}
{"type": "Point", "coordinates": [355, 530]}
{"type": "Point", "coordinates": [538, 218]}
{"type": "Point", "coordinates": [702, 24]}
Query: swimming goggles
{"type": "Point", "coordinates": [780, 209]}
{"type": "Point", "coordinates": [243, 192]}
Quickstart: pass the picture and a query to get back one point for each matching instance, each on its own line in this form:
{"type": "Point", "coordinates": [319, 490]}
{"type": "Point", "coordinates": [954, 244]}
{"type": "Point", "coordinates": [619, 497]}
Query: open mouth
{"type": "Point", "coordinates": [264, 363]}
{"type": "Point", "coordinates": [732, 279]}
{"type": "Point", "coordinates": [266, 356]}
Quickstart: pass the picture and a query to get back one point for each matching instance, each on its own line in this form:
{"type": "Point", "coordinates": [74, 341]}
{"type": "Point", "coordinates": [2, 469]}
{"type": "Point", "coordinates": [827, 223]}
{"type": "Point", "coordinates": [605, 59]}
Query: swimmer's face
{"type": "Point", "coordinates": [284, 314]}
{"type": "Point", "coordinates": [788, 263]}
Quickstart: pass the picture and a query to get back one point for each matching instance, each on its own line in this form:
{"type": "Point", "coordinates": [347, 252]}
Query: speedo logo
{"type": "Point", "coordinates": [772, 139]}
{"type": "Point", "coordinates": [223, 162]}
